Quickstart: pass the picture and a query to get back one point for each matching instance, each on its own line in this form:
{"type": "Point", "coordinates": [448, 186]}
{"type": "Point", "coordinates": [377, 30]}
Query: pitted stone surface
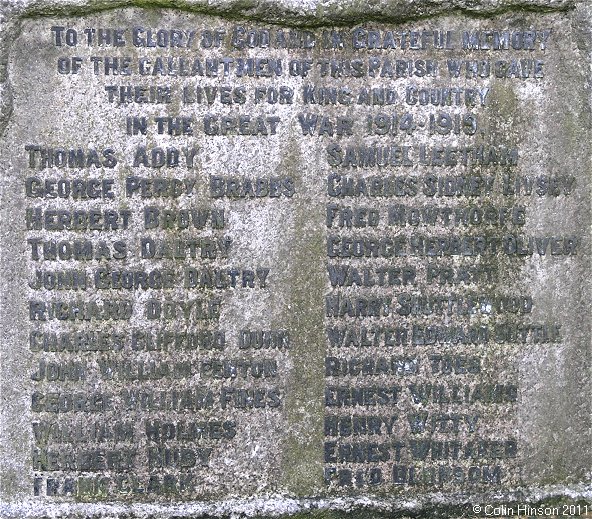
{"type": "Point", "coordinates": [280, 258]}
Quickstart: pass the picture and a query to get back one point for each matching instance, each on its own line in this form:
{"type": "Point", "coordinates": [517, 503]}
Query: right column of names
{"type": "Point", "coordinates": [427, 302]}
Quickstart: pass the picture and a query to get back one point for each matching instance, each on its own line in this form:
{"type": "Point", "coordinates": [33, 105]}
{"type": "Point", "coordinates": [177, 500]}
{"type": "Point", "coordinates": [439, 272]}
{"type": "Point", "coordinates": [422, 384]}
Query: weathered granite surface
{"type": "Point", "coordinates": [478, 398]}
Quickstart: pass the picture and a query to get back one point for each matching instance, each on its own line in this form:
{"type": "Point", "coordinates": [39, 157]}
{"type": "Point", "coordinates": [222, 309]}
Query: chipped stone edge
{"type": "Point", "coordinates": [295, 12]}
{"type": "Point", "coordinates": [278, 506]}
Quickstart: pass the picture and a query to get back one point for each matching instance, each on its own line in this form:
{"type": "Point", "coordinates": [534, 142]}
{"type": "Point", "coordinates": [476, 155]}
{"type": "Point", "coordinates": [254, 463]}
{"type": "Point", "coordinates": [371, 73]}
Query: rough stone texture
{"type": "Point", "coordinates": [274, 465]}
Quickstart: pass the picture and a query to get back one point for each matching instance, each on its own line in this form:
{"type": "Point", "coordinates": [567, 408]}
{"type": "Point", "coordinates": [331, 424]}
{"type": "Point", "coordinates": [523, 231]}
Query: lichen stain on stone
{"type": "Point", "coordinates": [301, 460]}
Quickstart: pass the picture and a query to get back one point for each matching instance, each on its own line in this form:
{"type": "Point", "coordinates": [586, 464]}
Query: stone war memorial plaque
{"type": "Point", "coordinates": [295, 259]}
